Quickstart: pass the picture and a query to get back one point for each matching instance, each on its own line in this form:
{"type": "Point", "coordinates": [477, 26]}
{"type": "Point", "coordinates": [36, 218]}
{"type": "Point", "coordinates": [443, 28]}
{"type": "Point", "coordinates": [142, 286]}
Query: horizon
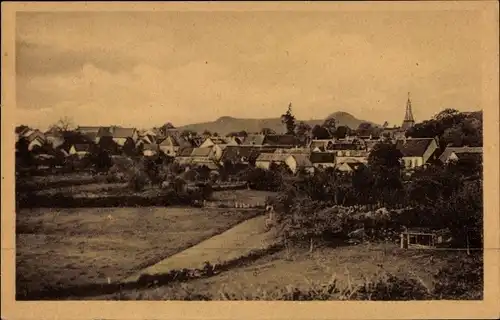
{"type": "Point", "coordinates": [195, 67]}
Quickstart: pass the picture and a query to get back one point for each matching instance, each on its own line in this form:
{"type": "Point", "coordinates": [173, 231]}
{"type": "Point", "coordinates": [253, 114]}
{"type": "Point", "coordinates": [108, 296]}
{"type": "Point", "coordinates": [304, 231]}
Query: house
{"type": "Point", "coordinates": [212, 141]}
{"type": "Point", "coordinates": [416, 151]}
{"type": "Point", "coordinates": [352, 156]}
{"type": "Point", "coordinates": [264, 160]}
{"type": "Point", "coordinates": [150, 149]}
{"type": "Point", "coordinates": [303, 151]}
{"type": "Point", "coordinates": [299, 161]}
{"type": "Point", "coordinates": [323, 159]}
{"type": "Point", "coordinates": [253, 140]}
{"type": "Point", "coordinates": [281, 141]}
{"type": "Point", "coordinates": [201, 155]}
{"type": "Point", "coordinates": [34, 138]}
{"type": "Point", "coordinates": [170, 146]}
{"type": "Point", "coordinates": [349, 167]}
{"type": "Point", "coordinates": [120, 135]}
{"type": "Point", "coordinates": [80, 150]}
{"type": "Point", "coordinates": [184, 156]}
{"type": "Point", "coordinates": [456, 153]}
{"type": "Point", "coordinates": [240, 154]}
{"type": "Point", "coordinates": [321, 145]}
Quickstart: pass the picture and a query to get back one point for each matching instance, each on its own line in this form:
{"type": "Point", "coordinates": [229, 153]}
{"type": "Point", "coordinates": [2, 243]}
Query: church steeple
{"type": "Point", "coordinates": [408, 121]}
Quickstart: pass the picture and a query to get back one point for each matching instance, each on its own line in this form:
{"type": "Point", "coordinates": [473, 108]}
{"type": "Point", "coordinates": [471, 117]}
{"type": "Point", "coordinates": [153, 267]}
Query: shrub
{"type": "Point", "coordinates": [461, 280]}
{"type": "Point", "coordinates": [137, 180]}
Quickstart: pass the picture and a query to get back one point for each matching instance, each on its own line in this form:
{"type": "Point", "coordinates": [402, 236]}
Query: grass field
{"type": "Point", "coordinates": [298, 268]}
{"type": "Point", "coordinates": [67, 247]}
{"type": "Point", "coordinates": [244, 196]}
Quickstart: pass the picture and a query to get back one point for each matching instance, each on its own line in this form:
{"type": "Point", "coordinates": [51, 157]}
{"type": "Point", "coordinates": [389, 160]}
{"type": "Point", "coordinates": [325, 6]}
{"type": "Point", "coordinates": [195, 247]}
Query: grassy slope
{"type": "Point", "coordinates": [61, 247]}
{"type": "Point", "coordinates": [300, 269]}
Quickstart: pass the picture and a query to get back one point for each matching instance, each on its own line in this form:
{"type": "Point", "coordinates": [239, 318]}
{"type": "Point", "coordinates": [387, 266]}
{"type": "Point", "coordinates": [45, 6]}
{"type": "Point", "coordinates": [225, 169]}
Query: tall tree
{"type": "Point", "coordinates": [288, 119]}
{"type": "Point", "coordinates": [330, 124]}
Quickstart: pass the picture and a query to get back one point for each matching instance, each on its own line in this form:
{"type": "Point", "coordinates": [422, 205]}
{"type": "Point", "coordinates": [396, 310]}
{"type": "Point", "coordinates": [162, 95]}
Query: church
{"type": "Point", "coordinates": [408, 122]}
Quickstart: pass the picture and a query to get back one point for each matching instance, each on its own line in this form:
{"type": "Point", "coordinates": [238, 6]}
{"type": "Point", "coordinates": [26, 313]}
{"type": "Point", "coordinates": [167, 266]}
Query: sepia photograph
{"type": "Point", "coordinates": [251, 155]}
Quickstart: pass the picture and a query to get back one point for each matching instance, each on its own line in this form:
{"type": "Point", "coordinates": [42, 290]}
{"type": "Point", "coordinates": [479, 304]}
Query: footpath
{"type": "Point", "coordinates": [239, 241]}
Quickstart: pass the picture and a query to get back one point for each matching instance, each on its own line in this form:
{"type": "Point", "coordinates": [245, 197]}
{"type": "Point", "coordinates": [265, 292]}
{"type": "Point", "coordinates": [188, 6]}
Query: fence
{"type": "Point", "coordinates": [232, 204]}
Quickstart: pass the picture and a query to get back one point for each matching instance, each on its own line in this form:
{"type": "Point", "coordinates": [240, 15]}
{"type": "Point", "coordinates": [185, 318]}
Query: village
{"type": "Point", "coordinates": [298, 153]}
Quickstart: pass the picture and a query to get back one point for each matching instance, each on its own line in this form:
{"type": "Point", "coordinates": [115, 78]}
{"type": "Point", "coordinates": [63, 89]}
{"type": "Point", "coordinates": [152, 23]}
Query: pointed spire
{"type": "Point", "coordinates": [408, 121]}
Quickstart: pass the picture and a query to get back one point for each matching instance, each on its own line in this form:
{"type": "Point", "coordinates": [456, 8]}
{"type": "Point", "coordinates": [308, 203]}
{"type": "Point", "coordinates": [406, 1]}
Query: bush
{"type": "Point", "coordinates": [137, 180]}
{"type": "Point", "coordinates": [460, 280]}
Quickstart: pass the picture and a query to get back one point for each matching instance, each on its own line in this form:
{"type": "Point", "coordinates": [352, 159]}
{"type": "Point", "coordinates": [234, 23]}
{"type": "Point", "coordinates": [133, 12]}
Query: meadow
{"type": "Point", "coordinates": [56, 248]}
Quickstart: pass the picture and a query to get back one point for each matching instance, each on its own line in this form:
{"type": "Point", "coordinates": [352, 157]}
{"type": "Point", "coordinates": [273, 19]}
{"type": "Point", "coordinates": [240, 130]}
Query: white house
{"type": "Point", "coordinates": [417, 151]}
{"type": "Point", "coordinates": [299, 161]}
{"type": "Point", "coordinates": [80, 150]}
{"type": "Point", "coordinates": [120, 135]}
{"type": "Point", "coordinates": [455, 153]}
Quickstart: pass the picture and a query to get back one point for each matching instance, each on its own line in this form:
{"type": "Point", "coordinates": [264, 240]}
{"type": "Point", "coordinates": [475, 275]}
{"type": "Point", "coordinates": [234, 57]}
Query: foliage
{"type": "Point", "coordinates": [302, 129]}
{"type": "Point", "coordinates": [461, 280]}
{"type": "Point", "coordinates": [330, 125]}
{"type": "Point", "coordinates": [320, 132]}
{"type": "Point", "coordinates": [137, 180]}
{"type": "Point", "coordinates": [267, 131]}
{"type": "Point", "coordinates": [288, 119]}
{"type": "Point", "coordinates": [342, 131]}
{"type": "Point", "coordinates": [452, 128]}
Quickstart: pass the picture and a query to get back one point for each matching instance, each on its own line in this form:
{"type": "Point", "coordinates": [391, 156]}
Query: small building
{"type": "Point", "coordinates": [120, 135]}
{"type": "Point", "coordinates": [323, 159]}
{"type": "Point", "coordinates": [150, 149]}
{"type": "Point", "coordinates": [264, 160]}
{"type": "Point", "coordinates": [423, 238]}
{"type": "Point", "coordinates": [298, 162]}
{"type": "Point", "coordinates": [81, 150]}
{"type": "Point", "coordinates": [201, 155]}
{"type": "Point", "coordinates": [213, 141]}
{"type": "Point", "coordinates": [184, 156]}
{"type": "Point", "coordinates": [254, 140]}
{"type": "Point", "coordinates": [417, 151]}
{"type": "Point", "coordinates": [351, 156]}
{"type": "Point", "coordinates": [348, 167]}
{"type": "Point", "coordinates": [34, 137]}
{"type": "Point", "coordinates": [239, 154]}
{"type": "Point", "coordinates": [451, 154]}
{"type": "Point", "coordinates": [321, 145]}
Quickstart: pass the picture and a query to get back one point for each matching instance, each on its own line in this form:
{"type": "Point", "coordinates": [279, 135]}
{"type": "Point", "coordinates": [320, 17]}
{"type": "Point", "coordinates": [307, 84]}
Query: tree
{"type": "Point", "coordinates": [330, 125]}
{"type": "Point", "coordinates": [63, 125]}
{"type": "Point", "coordinates": [320, 132]}
{"type": "Point", "coordinates": [165, 128]}
{"type": "Point", "coordinates": [342, 132]}
{"type": "Point", "coordinates": [385, 162]}
{"type": "Point", "coordinates": [129, 148]}
{"type": "Point", "coordinates": [207, 133]}
{"type": "Point", "coordinates": [267, 131]}
{"type": "Point", "coordinates": [302, 129]}
{"type": "Point", "coordinates": [188, 133]}
{"type": "Point", "coordinates": [23, 154]}
{"type": "Point", "coordinates": [288, 119]}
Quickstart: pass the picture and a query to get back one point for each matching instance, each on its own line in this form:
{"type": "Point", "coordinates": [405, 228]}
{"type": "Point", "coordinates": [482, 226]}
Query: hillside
{"type": "Point", "coordinates": [225, 125]}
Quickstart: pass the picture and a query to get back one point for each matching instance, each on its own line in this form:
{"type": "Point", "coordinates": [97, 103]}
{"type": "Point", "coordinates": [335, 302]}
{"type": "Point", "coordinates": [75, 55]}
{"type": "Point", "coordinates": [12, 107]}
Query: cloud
{"type": "Point", "coordinates": [41, 59]}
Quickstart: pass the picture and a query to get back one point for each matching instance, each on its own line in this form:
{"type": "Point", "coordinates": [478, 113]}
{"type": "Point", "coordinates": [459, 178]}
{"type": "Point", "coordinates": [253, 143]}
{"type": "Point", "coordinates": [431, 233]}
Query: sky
{"type": "Point", "coordinates": [144, 69]}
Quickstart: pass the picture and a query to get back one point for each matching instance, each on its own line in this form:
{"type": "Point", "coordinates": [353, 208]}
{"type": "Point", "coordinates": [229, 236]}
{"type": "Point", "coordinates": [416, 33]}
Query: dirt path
{"type": "Point", "coordinates": [236, 242]}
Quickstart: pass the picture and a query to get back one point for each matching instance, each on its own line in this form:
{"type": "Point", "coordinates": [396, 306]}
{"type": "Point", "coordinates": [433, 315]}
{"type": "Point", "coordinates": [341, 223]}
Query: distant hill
{"type": "Point", "coordinates": [225, 125]}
